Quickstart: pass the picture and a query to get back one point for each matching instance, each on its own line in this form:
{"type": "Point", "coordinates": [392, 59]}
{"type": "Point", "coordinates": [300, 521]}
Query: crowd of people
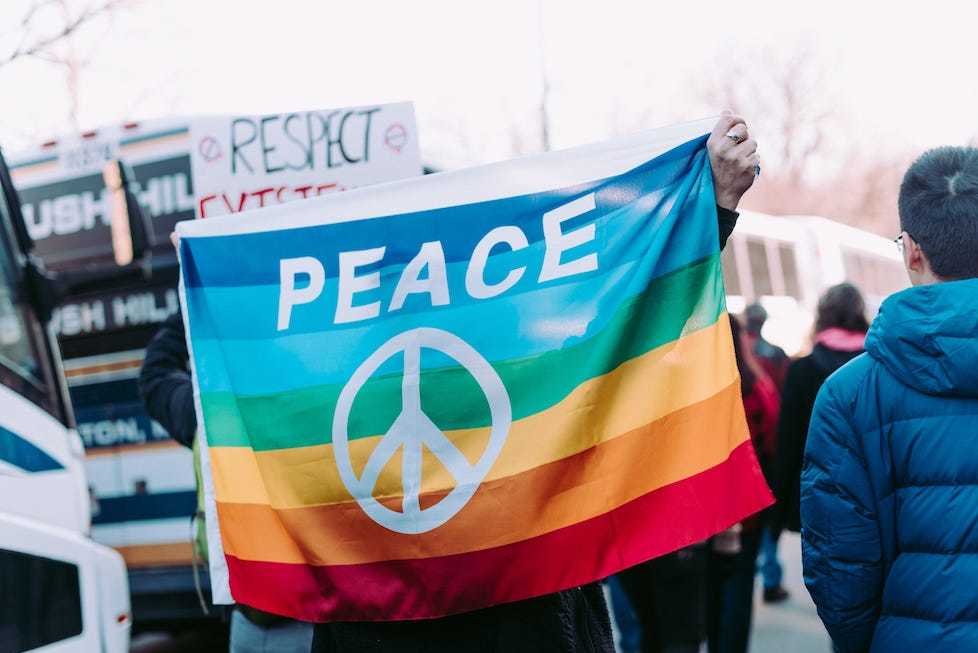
{"type": "Point", "coordinates": [714, 581]}
{"type": "Point", "coordinates": [865, 440]}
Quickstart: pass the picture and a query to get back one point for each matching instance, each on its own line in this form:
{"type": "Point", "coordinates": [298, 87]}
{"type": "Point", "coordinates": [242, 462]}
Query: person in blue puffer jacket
{"type": "Point", "coordinates": [889, 489]}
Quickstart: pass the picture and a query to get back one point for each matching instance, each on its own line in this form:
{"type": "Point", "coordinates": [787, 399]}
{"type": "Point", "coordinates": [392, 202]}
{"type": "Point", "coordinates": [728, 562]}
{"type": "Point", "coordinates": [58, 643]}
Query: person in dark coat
{"type": "Point", "coordinates": [164, 382]}
{"type": "Point", "coordinates": [840, 332]}
{"type": "Point", "coordinates": [889, 491]}
{"type": "Point", "coordinates": [571, 621]}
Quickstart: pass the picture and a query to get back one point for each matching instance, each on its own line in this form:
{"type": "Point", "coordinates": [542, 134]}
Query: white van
{"type": "Point", "coordinates": [59, 590]}
{"type": "Point", "coordinates": [786, 263]}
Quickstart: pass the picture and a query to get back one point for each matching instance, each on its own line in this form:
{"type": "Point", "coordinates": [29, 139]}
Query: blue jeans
{"type": "Point", "coordinates": [284, 637]}
{"type": "Point", "coordinates": [771, 572]}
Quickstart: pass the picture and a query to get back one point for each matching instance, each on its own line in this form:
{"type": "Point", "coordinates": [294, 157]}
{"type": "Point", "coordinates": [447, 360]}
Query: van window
{"type": "Point", "coordinates": [874, 275]}
{"type": "Point", "coordinates": [40, 603]}
{"type": "Point", "coordinates": [789, 270]}
{"type": "Point", "coordinates": [759, 272]}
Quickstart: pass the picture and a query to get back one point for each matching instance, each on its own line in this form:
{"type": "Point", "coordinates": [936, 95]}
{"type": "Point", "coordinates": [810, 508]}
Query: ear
{"type": "Point", "coordinates": [916, 259]}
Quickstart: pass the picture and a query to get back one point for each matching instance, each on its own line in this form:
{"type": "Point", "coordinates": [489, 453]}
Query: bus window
{"type": "Point", "coordinates": [889, 276]}
{"type": "Point", "coordinates": [874, 275]}
{"type": "Point", "coordinates": [730, 279]}
{"type": "Point", "coordinates": [894, 276]}
{"type": "Point", "coordinates": [757, 255]}
{"type": "Point", "coordinates": [41, 601]}
{"type": "Point", "coordinates": [856, 272]}
{"type": "Point", "coordinates": [789, 270]}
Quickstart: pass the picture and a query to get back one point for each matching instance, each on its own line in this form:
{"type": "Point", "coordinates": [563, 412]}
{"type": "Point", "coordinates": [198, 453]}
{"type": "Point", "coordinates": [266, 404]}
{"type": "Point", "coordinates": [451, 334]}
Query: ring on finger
{"type": "Point", "coordinates": [736, 138]}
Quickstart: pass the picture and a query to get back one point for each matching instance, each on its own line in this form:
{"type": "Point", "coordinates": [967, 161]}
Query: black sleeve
{"type": "Point", "coordinates": [164, 382]}
{"type": "Point", "coordinates": [726, 220]}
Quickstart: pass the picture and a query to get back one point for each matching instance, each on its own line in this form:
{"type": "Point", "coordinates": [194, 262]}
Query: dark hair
{"type": "Point", "coordinates": [750, 370]}
{"type": "Point", "coordinates": [842, 307]}
{"type": "Point", "coordinates": [939, 209]}
{"type": "Point", "coordinates": [755, 316]}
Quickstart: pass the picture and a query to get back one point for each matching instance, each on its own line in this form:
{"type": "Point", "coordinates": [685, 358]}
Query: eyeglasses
{"type": "Point", "coordinates": [899, 241]}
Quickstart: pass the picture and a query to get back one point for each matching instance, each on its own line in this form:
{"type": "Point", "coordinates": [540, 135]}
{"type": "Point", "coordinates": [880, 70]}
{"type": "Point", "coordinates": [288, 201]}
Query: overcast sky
{"type": "Point", "coordinates": [902, 79]}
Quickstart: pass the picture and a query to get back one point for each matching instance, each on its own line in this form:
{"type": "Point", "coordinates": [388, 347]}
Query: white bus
{"type": "Point", "coordinates": [59, 590]}
{"type": "Point", "coordinates": [141, 482]}
{"type": "Point", "coordinates": [786, 263]}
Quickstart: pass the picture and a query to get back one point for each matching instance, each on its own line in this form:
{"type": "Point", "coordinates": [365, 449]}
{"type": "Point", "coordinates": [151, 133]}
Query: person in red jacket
{"type": "Point", "coordinates": [732, 567]}
{"type": "Point", "coordinates": [770, 357]}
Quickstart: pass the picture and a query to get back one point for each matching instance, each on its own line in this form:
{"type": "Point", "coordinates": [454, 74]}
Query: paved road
{"type": "Point", "coordinates": [792, 626]}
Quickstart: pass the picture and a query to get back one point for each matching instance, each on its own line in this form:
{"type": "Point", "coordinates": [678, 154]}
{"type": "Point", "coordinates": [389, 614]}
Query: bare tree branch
{"type": "Point", "coordinates": [789, 95]}
{"type": "Point", "coordinates": [812, 164]}
{"type": "Point", "coordinates": [42, 44]}
{"type": "Point", "coordinates": [35, 8]}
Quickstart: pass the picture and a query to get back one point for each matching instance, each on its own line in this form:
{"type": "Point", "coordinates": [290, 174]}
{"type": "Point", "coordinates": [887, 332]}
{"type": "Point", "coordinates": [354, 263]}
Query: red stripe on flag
{"type": "Point", "coordinates": [657, 523]}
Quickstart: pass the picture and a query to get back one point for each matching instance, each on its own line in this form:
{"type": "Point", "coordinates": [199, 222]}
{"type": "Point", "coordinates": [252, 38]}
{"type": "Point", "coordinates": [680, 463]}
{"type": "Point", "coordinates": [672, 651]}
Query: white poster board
{"type": "Point", "coordinates": [248, 162]}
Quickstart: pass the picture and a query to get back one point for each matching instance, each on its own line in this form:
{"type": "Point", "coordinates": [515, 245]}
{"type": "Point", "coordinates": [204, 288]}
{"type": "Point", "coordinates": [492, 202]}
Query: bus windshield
{"type": "Point", "coordinates": [21, 364]}
{"type": "Point", "coordinates": [15, 347]}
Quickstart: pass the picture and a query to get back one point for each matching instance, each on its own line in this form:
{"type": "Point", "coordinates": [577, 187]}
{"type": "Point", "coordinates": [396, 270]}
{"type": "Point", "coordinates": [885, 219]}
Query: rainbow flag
{"type": "Point", "coordinates": [445, 393]}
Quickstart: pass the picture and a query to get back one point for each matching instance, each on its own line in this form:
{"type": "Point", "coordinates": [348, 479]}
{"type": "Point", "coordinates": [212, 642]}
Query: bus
{"type": "Point", "coordinates": [786, 263]}
{"type": "Point", "coordinates": [59, 590]}
{"type": "Point", "coordinates": [141, 483]}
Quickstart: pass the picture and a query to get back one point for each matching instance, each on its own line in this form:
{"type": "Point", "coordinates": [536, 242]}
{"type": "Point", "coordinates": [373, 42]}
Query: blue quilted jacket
{"type": "Point", "coordinates": [889, 496]}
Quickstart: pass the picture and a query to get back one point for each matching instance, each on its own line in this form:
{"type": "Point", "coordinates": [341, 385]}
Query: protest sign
{"type": "Point", "coordinates": [247, 162]}
{"type": "Point", "coordinates": [450, 392]}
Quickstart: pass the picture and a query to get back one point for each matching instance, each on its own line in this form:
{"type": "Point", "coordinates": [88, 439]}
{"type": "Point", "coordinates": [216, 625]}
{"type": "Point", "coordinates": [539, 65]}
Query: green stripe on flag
{"type": "Point", "coordinates": [673, 305]}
